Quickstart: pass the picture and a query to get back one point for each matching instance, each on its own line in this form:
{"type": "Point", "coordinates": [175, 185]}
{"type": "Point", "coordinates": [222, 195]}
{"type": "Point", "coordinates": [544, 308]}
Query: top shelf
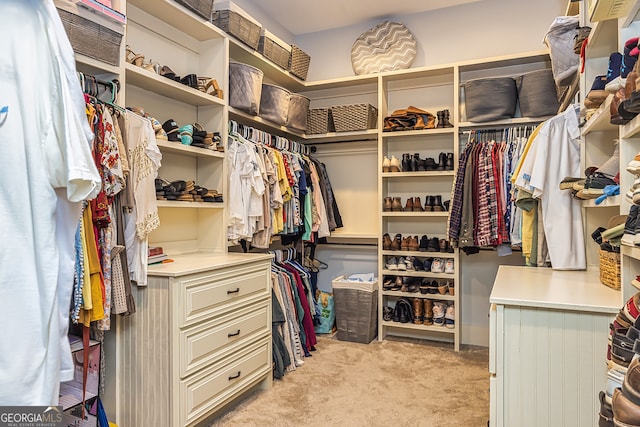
{"type": "Point", "coordinates": [179, 17]}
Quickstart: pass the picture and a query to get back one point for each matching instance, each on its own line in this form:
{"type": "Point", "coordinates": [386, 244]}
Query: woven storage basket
{"type": "Point", "coordinates": [272, 50]}
{"type": "Point", "coordinates": [203, 8]}
{"type": "Point", "coordinates": [91, 39]}
{"type": "Point", "coordinates": [320, 120]}
{"type": "Point", "coordinates": [537, 94]}
{"type": "Point", "coordinates": [356, 310]}
{"type": "Point", "coordinates": [274, 104]}
{"type": "Point", "coordinates": [352, 117]}
{"type": "Point", "coordinates": [245, 87]}
{"type": "Point", "coordinates": [238, 26]}
{"type": "Point", "coordinates": [299, 63]}
{"type": "Point", "coordinates": [610, 269]}
{"type": "Point", "coordinates": [298, 110]}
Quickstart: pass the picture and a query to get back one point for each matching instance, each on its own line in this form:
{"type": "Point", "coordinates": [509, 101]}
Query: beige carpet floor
{"type": "Point", "coordinates": [393, 383]}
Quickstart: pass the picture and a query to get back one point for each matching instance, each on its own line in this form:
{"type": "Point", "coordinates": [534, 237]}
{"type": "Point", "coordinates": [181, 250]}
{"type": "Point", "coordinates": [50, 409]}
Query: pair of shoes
{"type": "Point", "coordinates": [392, 204]}
{"type": "Point", "coordinates": [595, 184]}
{"type": "Point", "coordinates": [620, 65]}
{"type": "Point", "coordinates": [391, 165]}
{"type": "Point", "coordinates": [133, 58]}
{"type": "Point", "coordinates": [439, 311]}
{"type": "Point", "coordinates": [434, 204]}
{"type": "Point", "coordinates": [403, 311]}
{"type": "Point", "coordinates": [409, 244]}
{"type": "Point", "coordinates": [209, 86]}
{"type": "Point", "coordinates": [413, 205]}
{"type": "Point", "coordinates": [443, 119]}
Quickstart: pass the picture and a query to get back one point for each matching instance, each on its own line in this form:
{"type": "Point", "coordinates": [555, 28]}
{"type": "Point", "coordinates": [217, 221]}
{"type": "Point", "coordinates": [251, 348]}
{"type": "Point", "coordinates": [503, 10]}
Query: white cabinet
{"type": "Point", "coordinates": [548, 346]}
{"type": "Point", "coordinates": [201, 336]}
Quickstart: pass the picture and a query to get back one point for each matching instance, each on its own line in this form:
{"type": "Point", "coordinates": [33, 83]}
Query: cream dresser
{"type": "Point", "coordinates": [200, 338]}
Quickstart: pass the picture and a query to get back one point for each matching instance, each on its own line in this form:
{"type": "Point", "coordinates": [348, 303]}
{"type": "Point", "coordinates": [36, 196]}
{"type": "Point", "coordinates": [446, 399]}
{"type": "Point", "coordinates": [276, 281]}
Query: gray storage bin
{"type": "Point", "coordinates": [245, 87]}
{"type": "Point", "coordinates": [490, 99]}
{"type": "Point", "coordinates": [356, 306]}
{"type": "Point", "coordinates": [537, 94]}
{"type": "Point", "coordinates": [274, 104]}
{"type": "Point", "coordinates": [298, 110]}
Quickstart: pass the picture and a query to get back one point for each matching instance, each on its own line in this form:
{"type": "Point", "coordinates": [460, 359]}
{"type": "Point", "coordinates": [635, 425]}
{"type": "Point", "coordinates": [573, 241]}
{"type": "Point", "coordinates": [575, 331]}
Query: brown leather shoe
{"type": "Point", "coordinates": [418, 311]}
{"type": "Point", "coordinates": [428, 312]}
{"type": "Point", "coordinates": [386, 204]}
{"type": "Point", "coordinates": [625, 412]}
{"type": "Point", "coordinates": [606, 412]}
{"type": "Point", "coordinates": [386, 242]}
{"type": "Point", "coordinates": [417, 205]}
{"type": "Point", "coordinates": [404, 246]}
{"type": "Point", "coordinates": [631, 383]}
{"type": "Point", "coordinates": [414, 244]}
{"type": "Point", "coordinates": [616, 118]}
{"type": "Point", "coordinates": [444, 245]}
{"type": "Point", "coordinates": [409, 205]}
{"type": "Point", "coordinates": [396, 243]}
{"type": "Point", "coordinates": [396, 204]}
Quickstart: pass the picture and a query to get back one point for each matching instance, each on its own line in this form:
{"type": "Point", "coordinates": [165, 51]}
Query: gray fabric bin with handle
{"type": "Point", "coordinates": [245, 87]}
{"type": "Point", "coordinates": [490, 99]}
{"type": "Point", "coordinates": [537, 94]}
{"type": "Point", "coordinates": [274, 104]}
{"type": "Point", "coordinates": [298, 111]}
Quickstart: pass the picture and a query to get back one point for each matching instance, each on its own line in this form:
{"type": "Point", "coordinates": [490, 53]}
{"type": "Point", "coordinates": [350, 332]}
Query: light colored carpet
{"type": "Point", "coordinates": [394, 383]}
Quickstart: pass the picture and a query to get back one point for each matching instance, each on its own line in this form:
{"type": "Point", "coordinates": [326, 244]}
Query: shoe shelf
{"type": "Point", "coordinates": [364, 135]}
{"type": "Point", "coordinates": [413, 273]}
{"type": "Point", "coordinates": [189, 205]}
{"type": "Point", "coordinates": [630, 251]}
{"type": "Point", "coordinates": [601, 119]}
{"type": "Point", "coordinates": [631, 129]}
{"type": "Point", "coordinates": [425, 132]}
{"type": "Point", "coordinates": [138, 76]}
{"type": "Point", "coordinates": [177, 16]}
{"type": "Point", "coordinates": [603, 39]}
{"type": "Point", "coordinates": [94, 67]}
{"type": "Point", "coordinates": [442, 329]}
{"type": "Point", "coordinates": [500, 123]}
{"type": "Point", "coordinates": [606, 203]}
{"type": "Point", "coordinates": [416, 214]}
{"type": "Point", "coordinates": [424, 254]}
{"type": "Point", "coordinates": [437, 297]}
{"type": "Point", "coordinates": [266, 125]}
{"type": "Point", "coordinates": [417, 174]}
{"type": "Point", "coordinates": [177, 148]}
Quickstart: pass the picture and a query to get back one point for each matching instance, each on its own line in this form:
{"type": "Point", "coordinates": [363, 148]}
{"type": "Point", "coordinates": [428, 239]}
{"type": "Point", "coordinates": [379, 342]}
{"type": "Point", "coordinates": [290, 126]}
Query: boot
{"type": "Point", "coordinates": [449, 163]}
{"type": "Point", "coordinates": [396, 205]}
{"type": "Point", "coordinates": [404, 246]}
{"type": "Point", "coordinates": [396, 243]}
{"type": "Point", "coordinates": [433, 245]}
{"type": "Point", "coordinates": [386, 205]}
{"type": "Point", "coordinates": [440, 115]}
{"type": "Point", "coordinates": [394, 165]}
{"type": "Point", "coordinates": [415, 161]}
{"type": "Point", "coordinates": [417, 205]}
{"type": "Point", "coordinates": [428, 204]}
{"type": "Point", "coordinates": [414, 245]}
{"type": "Point", "coordinates": [446, 205]}
{"type": "Point", "coordinates": [428, 312]}
{"type": "Point", "coordinates": [446, 123]}
{"type": "Point", "coordinates": [418, 311]}
{"type": "Point", "coordinates": [409, 205]}
{"type": "Point", "coordinates": [386, 164]}
{"type": "Point", "coordinates": [437, 204]}
{"type": "Point", "coordinates": [430, 164]}
{"type": "Point", "coordinates": [424, 240]}
{"type": "Point", "coordinates": [444, 245]}
{"type": "Point", "coordinates": [442, 162]}
{"type": "Point", "coordinates": [406, 162]}
{"type": "Point", "coordinates": [422, 165]}
{"type": "Point", "coordinates": [386, 242]}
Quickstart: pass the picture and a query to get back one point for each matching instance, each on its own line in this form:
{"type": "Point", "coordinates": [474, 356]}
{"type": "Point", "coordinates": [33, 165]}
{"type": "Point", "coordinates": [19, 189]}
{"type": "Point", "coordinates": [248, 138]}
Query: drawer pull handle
{"type": "Point", "coordinates": [235, 291]}
{"type": "Point", "coordinates": [233, 377]}
{"type": "Point", "coordinates": [235, 334]}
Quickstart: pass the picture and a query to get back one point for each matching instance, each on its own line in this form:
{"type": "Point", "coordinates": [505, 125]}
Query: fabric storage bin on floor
{"type": "Point", "coordinates": [274, 49]}
{"type": "Point", "coordinates": [320, 120]}
{"type": "Point", "coordinates": [356, 306]}
{"type": "Point", "coordinates": [203, 8]}
{"type": "Point", "coordinates": [91, 39]}
{"type": "Point", "coordinates": [299, 63]}
{"type": "Point", "coordinates": [245, 87]}
{"type": "Point", "coordinates": [274, 103]}
{"type": "Point", "coordinates": [235, 21]}
{"type": "Point", "coordinates": [537, 94]}
{"type": "Point", "coordinates": [353, 117]}
{"type": "Point", "coordinates": [490, 99]}
{"type": "Point", "coordinates": [298, 110]}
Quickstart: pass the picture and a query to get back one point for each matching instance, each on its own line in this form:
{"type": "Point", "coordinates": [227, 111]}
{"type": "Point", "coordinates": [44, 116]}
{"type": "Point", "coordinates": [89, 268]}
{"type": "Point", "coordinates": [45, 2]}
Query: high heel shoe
{"type": "Point", "coordinates": [154, 67]}
{"type": "Point", "coordinates": [134, 58]}
{"type": "Point", "coordinates": [212, 88]}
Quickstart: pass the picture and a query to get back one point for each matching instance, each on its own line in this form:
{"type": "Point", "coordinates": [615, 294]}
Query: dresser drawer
{"type": "Point", "coordinates": [207, 342]}
{"type": "Point", "coordinates": [201, 296]}
{"type": "Point", "coordinates": [206, 391]}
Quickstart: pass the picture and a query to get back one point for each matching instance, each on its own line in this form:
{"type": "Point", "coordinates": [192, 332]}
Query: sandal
{"type": "Point", "coordinates": [154, 67]}
{"type": "Point", "coordinates": [186, 134]}
{"type": "Point", "coordinates": [134, 58]}
{"type": "Point", "coordinates": [167, 72]}
{"type": "Point", "coordinates": [216, 91]}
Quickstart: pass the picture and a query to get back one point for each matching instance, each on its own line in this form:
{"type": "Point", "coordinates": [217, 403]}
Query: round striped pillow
{"type": "Point", "coordinates": [386, 47]}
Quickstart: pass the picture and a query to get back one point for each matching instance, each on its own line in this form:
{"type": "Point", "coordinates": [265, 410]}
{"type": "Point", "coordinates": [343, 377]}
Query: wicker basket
{"type": "Point", "coordinates": [356, 306]}
{"type": "Point", "coordinates": [203, 8]}
{"type": "Point", "coordinates": [91, 39]}
{"type": "Point", "coordinates": [352, 117]}
{"type": "Point", "coordinates": [610, 269]}
{"type": "Point", "coordinates": [320, 120]}
{"type": "Point", "coordinates": [238, 26]}
{"type": "Point", "coordinates": [274, 51]}
{"type": "Point", "coordinates": [299, 64]}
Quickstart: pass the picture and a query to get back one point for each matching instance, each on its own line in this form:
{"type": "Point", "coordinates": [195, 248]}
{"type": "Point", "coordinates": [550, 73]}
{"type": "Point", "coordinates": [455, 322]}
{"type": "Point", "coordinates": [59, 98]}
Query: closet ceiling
{"type": "Point", "coordinates": [301, 17]}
